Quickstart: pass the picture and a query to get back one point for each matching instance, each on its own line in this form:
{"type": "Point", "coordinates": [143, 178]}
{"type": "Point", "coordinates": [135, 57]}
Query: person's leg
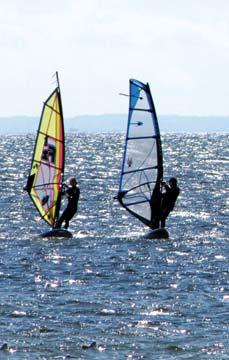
{"type": "Point", "coordinates": [66, 224]}
{"type": "Point", "coordinates": [164, 215]}
{"type": "Point", "coordinates": [162, 222]}
{"type": "Point", "coordinates": [68, 216]}
{"type": "Point", "coordinates": [155, 223]}
{"type": "Point", "coordinates": [61, 219]}
{"type": "Point", "coordinates": [155, 205]}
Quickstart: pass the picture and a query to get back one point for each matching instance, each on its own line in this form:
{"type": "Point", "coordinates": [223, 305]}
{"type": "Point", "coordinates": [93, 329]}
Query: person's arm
{"type": "Point", "coordinates": [165, 185]}
{"type": "Point", "coordinates": [64, 188]}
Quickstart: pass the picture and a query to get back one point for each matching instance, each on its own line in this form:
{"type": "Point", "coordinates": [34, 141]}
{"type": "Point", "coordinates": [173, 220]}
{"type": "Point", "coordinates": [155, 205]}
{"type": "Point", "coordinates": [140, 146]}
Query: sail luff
{"type": "Point", "coordinates": [63, 153]}
{"type": "Point", "coordinates": [158, 143]}
{"type": "Point", "coordinates": [127, 135]}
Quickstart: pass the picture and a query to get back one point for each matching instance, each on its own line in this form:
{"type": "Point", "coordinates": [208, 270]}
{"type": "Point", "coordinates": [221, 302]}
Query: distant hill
{"type": "Point", "coordinates": [118, 122]}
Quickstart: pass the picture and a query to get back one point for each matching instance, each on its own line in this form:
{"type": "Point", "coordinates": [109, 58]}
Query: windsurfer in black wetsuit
{"type": "Point", "coordinates": [155, 204]}
{"type": "Point", "coordinates": [72, 192]}
{"type": "Point", "coordinates": [169, 198]}
{"type": "Point", "coordinates": [162, 203]}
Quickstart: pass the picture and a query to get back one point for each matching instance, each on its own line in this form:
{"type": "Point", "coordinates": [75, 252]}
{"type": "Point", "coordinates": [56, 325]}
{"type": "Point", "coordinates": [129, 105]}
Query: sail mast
{"type": "Point", "coordinates": [158, 142]}
{"type": "Point", "coordinates": [63, 153]}
{"type": "Point", "coordinates": [61, 113]}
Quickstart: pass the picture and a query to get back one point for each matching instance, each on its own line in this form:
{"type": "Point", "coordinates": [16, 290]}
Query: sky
{"type": "Point", "coordinates": [180, 47]}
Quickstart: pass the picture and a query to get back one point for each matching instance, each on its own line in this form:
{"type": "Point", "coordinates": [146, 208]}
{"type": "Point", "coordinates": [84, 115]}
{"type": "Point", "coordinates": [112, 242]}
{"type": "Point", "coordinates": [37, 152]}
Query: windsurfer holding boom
{"type": "Point", "coordinates": [162, 203]}
{"type": "Point", "coordinates": [155, 204]}
{"type": "Point", "coordinates": [169, 198]}
{"type": "Point", "coordinates": [72, 192]}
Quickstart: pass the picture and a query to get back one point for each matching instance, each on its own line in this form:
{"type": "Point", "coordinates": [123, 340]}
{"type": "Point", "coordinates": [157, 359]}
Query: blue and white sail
{"type": "Point", "coordinates": [142, 168]}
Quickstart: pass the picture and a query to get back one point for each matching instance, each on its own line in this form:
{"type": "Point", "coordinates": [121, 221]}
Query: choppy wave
{"type": "Point", "coordinates": [107, 293]}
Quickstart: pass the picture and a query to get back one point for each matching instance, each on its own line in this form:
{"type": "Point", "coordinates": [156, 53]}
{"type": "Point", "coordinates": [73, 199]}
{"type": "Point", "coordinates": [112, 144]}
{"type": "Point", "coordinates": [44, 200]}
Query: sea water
{"type": "Point", "coordinates": [134, 298]}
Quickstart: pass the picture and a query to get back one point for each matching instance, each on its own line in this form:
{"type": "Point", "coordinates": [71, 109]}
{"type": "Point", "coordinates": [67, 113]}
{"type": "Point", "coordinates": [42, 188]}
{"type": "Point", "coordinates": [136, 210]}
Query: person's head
{"type": "Point", "coordinates": [173, 182]}
{"type": "Point", "coordinates": [72, 181]}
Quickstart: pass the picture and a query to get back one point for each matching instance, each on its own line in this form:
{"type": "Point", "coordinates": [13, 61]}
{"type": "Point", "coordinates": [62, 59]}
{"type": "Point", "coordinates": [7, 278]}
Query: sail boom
{"type": "Point", "coordinates": [47, 184]}
{"type": "Point", "coordinates": [136, 203]}
{"type": "Point", "coordinates": [139, 170]}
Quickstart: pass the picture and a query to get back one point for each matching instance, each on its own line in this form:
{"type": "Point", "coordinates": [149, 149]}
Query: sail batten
{"type": "Point", "coordinates": [142, 137]}
{"type": "Point", "coordinates": [53, 109]}
{"type": "Point", "coordinates": [43, 133]}
{"type": "Point", "coordinates": [138, 109]}
{"type": "Point", "coordinates": [142, 167]}
{"type": "Point", "coordinates": [47, 167]}
{"type": "Point", "coordinates": [136, 203]}
{"type": "Point", "coordinates": [48, 184]}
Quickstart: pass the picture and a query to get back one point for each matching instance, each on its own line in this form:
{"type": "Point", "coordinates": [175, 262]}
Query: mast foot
{"type": "Point", "coordinates": [161, 233]}
{"type": "Point", "coordinates": [58, 233]}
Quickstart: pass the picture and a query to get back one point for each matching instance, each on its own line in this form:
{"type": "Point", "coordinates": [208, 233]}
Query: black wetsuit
{"type": "Point", "coordinates": [155, 204]}
{"type": "Point", "coordinates": [73, 193]}
{"type": "Point", "coordinates": [168, 202]}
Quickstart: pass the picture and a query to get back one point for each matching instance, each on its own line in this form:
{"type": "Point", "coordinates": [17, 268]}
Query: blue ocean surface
{"type": "Point", "coordinates": [108, 293]}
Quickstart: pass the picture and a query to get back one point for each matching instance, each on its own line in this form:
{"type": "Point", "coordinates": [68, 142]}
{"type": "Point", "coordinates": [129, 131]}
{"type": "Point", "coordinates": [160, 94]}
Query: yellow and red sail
{"type": "Point", "coordinates": [47, 168]}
